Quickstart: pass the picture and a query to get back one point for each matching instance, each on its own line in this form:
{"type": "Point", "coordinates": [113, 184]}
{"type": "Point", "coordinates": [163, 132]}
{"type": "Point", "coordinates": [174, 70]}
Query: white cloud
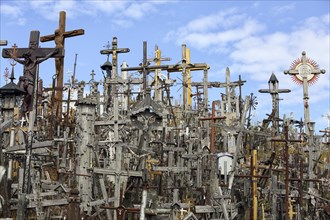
{"type": "Point", "coordinates": [50, 9]}
{"type": "Point", "coordinates": [138, 10]}
{"type": "Point", "coordinates": [14, 13]}
{"type": "Point", "coordinates": [278, 10]}
{"type": "Point", "coordinates": [216, 31]}
{"type": "Point", "coordinates": [121, 12]}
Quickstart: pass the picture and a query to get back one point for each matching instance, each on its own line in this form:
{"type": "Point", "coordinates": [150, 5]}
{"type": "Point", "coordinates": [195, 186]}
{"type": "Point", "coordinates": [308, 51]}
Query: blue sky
{"type": "Point", "coordinates": [252, 38]}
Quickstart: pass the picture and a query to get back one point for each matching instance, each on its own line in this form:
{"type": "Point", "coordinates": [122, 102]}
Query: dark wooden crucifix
{"type": "Point", "coordinates": [30, 58]}
{"type": "Point", "coordinates": [59, 38]}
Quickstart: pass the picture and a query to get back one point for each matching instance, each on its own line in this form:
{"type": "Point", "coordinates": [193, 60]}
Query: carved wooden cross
{"type": "Point", "coordinates": [59, 38]}
{"type": "Point", "coordinates": [32, 56]}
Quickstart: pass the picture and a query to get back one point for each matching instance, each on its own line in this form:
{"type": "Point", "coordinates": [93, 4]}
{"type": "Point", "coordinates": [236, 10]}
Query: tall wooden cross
{"type": "Point", "coordinates": [185, 67]}
{"type": "Point", "coordinates": [114, 50]}
{"type": "Point", "coordinates": [157, 60]}
{"type": "Point", "coordinates": [31, 57]}
{"type": "Point", "coordinates": [59, 38]}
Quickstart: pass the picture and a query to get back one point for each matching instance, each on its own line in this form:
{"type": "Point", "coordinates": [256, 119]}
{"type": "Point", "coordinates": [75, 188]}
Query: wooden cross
{"type": "Point", "coordinates": [145, 68]}
{"type": "Point", "coordinates": [212, 118]}
{"type": "Point", "coordinates": [113, 51]}
{"type": "Point", "coordinates": [185, 67]}
{"type": "Point", "coordinates": [157, 60]}
{"type": "Point", "coordinates": [32, 56]}
{"type": "Point", "coordinates": [274, 91]}
{"type": "Point", "coordinates": [59, 38]}
{"type": "Point", "coordinates": [226, 85]}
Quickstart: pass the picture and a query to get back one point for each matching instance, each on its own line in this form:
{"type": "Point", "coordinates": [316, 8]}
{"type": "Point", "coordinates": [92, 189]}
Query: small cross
{"type": "Point", "coordinates": [108, 45]}
{"type": "Point", "coordinates": [92, 74]}
{"type": "Point", "coordinates": [13, 55]}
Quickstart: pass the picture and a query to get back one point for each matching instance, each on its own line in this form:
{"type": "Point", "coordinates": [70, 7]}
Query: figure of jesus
{"type": "Point", "coordinates": [26, 81]}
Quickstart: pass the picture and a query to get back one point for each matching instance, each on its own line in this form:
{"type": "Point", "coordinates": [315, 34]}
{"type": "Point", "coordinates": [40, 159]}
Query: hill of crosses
{"type": "Point", "coordinates": [132, 146]}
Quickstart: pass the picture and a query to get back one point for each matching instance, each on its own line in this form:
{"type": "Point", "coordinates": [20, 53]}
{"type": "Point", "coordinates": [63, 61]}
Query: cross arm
{"type": "Point", "coordinates": [37, 53]}
{"type": "Point", "coordinates": [291, 72]}
{"type": "Point", "coordinates": [151, 68]}
{"type": "Point", "coordinates": [118, 50]}
{"type": "Point", "coordinates": [296, 72]}
{"type": "Point", "coordinates": [66, 34]}
{"type": "Point", "coordinates": [215, 84]}
{"type": "Point", "coordinates": [192, 67]}
{"type": "Point", "coordinates": [3, 43]}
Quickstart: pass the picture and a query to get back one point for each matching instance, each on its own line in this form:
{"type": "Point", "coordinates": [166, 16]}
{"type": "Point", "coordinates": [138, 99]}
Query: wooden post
{"type": "Point", "coordinates": [254, 184]}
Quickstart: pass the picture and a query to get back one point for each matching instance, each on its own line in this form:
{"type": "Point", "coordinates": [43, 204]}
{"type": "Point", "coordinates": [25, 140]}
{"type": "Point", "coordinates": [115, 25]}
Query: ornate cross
{"type": "Point", "coordinates": [306, 71]}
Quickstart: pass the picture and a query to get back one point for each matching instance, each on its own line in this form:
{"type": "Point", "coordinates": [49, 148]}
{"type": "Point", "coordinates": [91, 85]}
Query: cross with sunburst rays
{"type": "Point", "coordinates": [305, 71]}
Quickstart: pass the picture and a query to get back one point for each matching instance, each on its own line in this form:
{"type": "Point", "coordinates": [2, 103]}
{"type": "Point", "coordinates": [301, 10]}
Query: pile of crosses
{"type": "Point", "coordinates": [126, 149]}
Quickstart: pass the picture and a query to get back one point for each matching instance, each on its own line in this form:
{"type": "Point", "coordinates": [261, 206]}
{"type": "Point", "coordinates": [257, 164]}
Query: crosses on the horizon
{"type": "Point", "coordinates": [59, 38]}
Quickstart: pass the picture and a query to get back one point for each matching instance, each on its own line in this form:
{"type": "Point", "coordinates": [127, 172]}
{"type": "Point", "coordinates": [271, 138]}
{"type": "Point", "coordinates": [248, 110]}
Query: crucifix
{"type": "Point", "coordinates": [30, 58]}
{"type": "Point", "coordinates": [305, 71]}
{"type": "Point", "coordinates": [112, 74]}
{"type": "Point", "coordinates": [59, 38]}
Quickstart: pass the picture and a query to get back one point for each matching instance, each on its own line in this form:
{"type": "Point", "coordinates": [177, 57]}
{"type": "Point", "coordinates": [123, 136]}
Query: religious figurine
{"type": "Point", "coordinates": [26, 81]}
